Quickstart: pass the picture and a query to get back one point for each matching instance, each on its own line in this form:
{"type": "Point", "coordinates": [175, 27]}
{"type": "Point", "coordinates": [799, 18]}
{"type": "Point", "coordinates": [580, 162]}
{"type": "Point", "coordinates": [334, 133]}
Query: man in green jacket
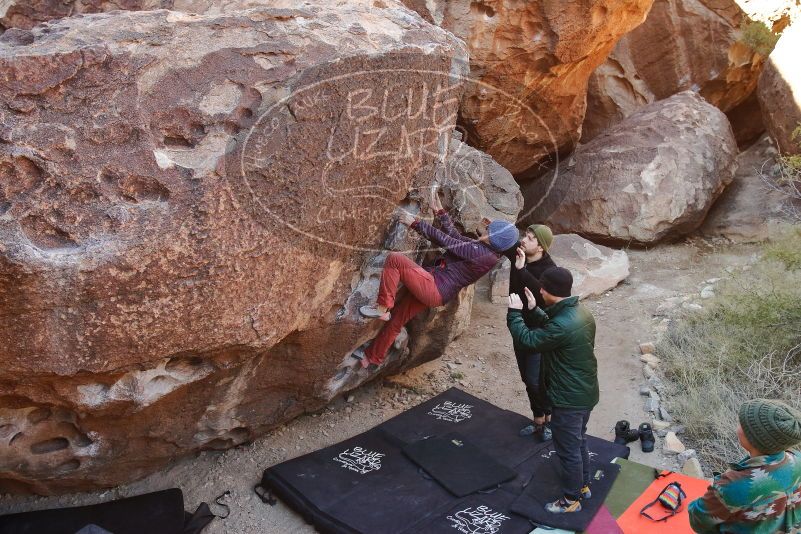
{"type": "Point", "coordinates": [566, 341]}
{"type": "Point", "coordinates": [761, 494]}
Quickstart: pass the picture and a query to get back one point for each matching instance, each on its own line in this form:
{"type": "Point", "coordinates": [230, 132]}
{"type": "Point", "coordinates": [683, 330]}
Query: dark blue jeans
{"type": "Point", "coordinates": [530, 367]}
{"type": "Point", "coordinates": [570, 443]}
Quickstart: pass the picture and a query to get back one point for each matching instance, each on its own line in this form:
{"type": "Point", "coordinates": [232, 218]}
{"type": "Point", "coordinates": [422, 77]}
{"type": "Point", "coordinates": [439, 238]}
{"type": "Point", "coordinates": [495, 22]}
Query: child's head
{"type": "Point", "coordinates": [768, 426]}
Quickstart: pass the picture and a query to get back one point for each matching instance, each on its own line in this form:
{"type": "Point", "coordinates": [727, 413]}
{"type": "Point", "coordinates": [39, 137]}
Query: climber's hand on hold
{"type": "Point", "coordinates": [406, 218]}
{"type": "Point", "coordinates": [436, 204]}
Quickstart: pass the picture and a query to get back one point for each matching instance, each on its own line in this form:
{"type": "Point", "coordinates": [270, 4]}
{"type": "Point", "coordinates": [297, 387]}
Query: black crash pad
{"type": "Point", "coordinates": [545, 488]}
{"type": "Point", "coordinates": [461, 467]}
{"type": "Point", "coordinates": [366, 484]}
{"type": "Point", "coordinates": [161, 512]}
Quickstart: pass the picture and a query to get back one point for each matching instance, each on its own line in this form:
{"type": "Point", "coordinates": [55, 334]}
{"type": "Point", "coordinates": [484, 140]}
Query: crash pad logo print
{"type": "Point", "coordinates": [479, 520]}
{"type": "Point", "coordinates": [552, 452]}
{"type": "Point", "coordinates": [451, 411]}
{"type": "Point", "coordinates": [359, 460]}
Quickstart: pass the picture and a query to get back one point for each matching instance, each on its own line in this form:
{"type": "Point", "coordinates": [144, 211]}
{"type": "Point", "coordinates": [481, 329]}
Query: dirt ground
{"type": "Point", "coordinates": [480, 362]}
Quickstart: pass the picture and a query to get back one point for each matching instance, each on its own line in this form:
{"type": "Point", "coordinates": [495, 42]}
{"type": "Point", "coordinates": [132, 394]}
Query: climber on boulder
{"type": "Point", "coordinates": [465, 261]}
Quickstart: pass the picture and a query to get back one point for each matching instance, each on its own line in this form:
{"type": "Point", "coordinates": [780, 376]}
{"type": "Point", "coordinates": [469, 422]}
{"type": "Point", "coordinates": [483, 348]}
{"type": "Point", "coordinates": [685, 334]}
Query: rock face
{"type": "Point", "coordinates": [654, 175]}
{"type": "Point", "coordinates": [780, 91]}
{"type": "Point", "coordinates": [748, 209]}
{"type": "Point", "coordinates": [191, 209]}
{"type": "Point", "coordinates": [595, 268]}
{"type": "Point", "coordinates": [499, 290]}
{"type": "Point", "coordinates": [26, 14]}
{"type": "Point", "coordinates": [531, 62]}
{"type": "Point", "coordinates": [683, 44]}
{"type": "Point", "coordinates": [477, 187]}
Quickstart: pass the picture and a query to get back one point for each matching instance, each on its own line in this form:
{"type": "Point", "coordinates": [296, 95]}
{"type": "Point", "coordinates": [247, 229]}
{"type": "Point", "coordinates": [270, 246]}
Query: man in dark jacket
{"type": "Point", "coordinates": [567, 343]}
{"type": "Point", "coordinates": [530, 261]}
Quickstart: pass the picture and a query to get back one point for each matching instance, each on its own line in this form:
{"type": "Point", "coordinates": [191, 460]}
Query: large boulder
{"type": "Point", "coordinates": [683, 44]}
{"type": "Point", "coordinates": [596, 269]}
{"type": "Point", "coordinates": [530, 62]}
{"type": "Point", "coordinates": [652, 176]}
{"type": "Point", "coordinates": [780, 91]}
{"type": "Point", "coordinates": [749, 209]}
{"type": "Point", "coordinates": [192, 208]}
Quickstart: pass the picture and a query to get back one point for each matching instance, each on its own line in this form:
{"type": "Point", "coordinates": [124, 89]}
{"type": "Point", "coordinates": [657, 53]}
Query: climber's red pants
{"type": "Point", "coordinates": [423, 293]}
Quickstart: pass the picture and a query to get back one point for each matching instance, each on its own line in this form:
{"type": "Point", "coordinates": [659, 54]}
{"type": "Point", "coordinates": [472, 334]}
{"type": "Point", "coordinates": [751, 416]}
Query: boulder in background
{"type": "Point", "coordinates": [651, 177]}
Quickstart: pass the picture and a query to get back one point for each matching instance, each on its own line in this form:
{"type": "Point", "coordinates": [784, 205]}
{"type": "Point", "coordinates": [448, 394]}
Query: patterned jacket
{"type": "Point", "coordinates": [759, 495]}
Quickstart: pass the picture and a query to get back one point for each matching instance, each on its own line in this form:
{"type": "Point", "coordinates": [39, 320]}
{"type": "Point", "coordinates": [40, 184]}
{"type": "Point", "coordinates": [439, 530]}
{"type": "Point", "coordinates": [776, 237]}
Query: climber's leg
{"type": "Point", "coordinates": [403, 312]}
{"type": "Point", "coordinates": [419, 282]}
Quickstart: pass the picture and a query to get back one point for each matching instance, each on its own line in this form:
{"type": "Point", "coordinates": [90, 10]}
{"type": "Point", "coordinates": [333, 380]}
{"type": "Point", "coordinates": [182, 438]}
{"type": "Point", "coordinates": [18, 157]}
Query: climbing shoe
{"type": "Point", "coordinates": [624, 434]}
{"type": "Point", "coordinates": [371, 312]}
{"type": "Point", "coordinates": [647, 439]}
{"type": "Point", "coordinates": [586, 493]}
{"type": "Point", "coordinates": [563, 506]}
{"type": "Point", "coordinates": [527, 430]}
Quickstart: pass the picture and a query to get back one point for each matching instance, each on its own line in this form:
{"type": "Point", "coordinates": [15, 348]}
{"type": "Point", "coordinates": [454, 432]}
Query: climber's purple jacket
{"type": "Point", "coordinates": [465, 261]}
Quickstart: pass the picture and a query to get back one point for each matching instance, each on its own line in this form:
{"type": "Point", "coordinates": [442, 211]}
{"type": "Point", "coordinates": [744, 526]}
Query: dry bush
{"type": "Point", "coordinates": [785, 177]}
{"type": "Point", "coordinates": [745, 344]}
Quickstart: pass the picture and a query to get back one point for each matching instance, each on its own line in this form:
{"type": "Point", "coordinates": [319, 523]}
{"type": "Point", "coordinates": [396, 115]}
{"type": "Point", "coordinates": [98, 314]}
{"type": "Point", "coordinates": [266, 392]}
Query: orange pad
{"type": "Point", "coordinates": [631, 522]}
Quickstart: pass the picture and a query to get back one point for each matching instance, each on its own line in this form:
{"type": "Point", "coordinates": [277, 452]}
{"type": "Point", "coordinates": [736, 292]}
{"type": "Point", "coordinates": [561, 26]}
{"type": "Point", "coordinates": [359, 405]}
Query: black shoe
{"type": "Point", "coordinates": [624, 434]}
{"type": "Point", "coordinates": [647, 437]}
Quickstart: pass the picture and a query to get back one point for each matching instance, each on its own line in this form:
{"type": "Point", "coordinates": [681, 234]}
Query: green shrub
{"type": "Point", "coordinates": [745, 344]}
{"type": "Point", "coordinates": [758, 37]}
{"type": "Point", "coordinates": [787, 250]}
{"type": "Point", "coordinates": [792, 164]}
